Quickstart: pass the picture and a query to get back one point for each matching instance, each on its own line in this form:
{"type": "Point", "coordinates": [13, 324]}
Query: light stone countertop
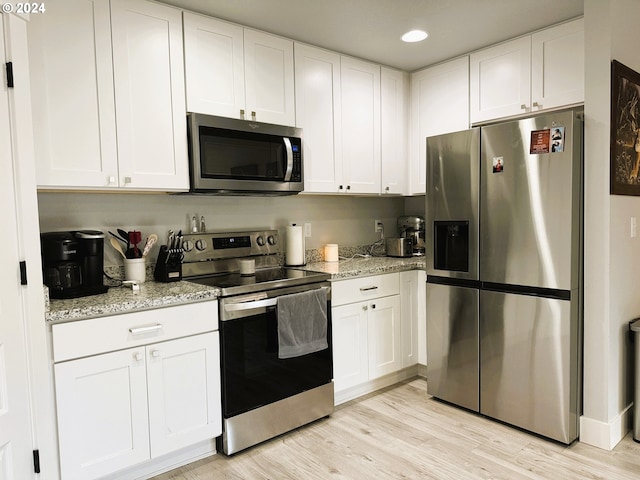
{"type": "Point", "coordinates": [156, 294]}
{"type": "Point", "coordinates": [123, 300]}
{"type": "Point", "coordinates": [360, 267]}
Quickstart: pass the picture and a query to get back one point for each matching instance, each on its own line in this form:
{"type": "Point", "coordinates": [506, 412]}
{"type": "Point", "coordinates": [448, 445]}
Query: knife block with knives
{"type": "Point", "coordinates": [169, 263]}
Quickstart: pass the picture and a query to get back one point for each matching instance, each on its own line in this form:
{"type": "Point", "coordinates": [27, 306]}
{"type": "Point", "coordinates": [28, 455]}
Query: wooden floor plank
{"type": "Point", "coordinates": [402, 433]}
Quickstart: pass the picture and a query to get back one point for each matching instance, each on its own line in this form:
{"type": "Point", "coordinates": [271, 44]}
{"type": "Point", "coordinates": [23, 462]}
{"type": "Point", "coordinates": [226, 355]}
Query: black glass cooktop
{"type": "Point", "coordinates": [264, 279]}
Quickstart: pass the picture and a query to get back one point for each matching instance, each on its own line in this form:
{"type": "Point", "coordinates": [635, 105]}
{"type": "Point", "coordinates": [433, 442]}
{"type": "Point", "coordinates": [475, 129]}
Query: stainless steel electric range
{"type": "Point", "coordinates": [264, 392]}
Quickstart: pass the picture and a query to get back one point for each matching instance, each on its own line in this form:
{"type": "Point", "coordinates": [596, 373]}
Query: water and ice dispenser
{"type": "Point", "coordinates": [451, 245]}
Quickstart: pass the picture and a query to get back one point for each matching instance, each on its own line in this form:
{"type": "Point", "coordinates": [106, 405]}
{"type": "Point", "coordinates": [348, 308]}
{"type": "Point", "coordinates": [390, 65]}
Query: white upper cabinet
{"type": "Point", "coordinates": [439, 104]}
{"type": "Point", "coordinates": [108, 90]}
{"type": "Point", "coordinates": [501, 80]}
{"type": "Point", "coordinates": [214, 66]}
{"type": "Point", "coordinates": [72, 95]}
{"type": "Point", "coordinates": [268, 76]}
{"type": "Point", "coordinates": [536, 72]}
{"type": "Point", "coordinates": [360, 117]}
{"type": "Point", "coordinates": [236, 72]}
{"type": "Point", "coordinates": [557, 59]}
{"type": "Point", "coordinates": [394, 150]}
{"type": "Point", "coordinates": [317, 75]}
{"type": "Point", "coordinates": [150, 105]}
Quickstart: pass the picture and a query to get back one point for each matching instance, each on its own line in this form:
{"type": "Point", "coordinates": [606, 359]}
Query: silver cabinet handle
{"type": "Point", "coordinates": [145, 329]}
{"type": "Point", "coordinates": [253, 115]}
{"type": "Point", "coordinates": [536, 104]}
{"type": "Point", "coordinates": [523, 106]}
{"type": "Point", "coordinates": [287, 146]}
{"type": "Point", "coordinates": [364, 307]}
{"type": "Point", "coordinates": [127, 180]}
{"type": "Point", "coordinates": [242, 114]}
{"type": "Point", "coordinates": [366, 289]}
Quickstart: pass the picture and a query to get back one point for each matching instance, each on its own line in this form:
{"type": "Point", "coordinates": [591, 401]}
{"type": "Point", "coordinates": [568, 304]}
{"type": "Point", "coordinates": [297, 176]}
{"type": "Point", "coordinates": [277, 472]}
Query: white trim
{"type": "Point", "coordinates": [373, 385]}
{"type": "Point", "coordinates": [605, 435]}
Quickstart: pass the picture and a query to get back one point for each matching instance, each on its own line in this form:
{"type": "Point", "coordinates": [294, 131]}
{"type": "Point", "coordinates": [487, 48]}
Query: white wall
{"type": "Point", "coordinates": [612, 262]}
{"type": "Point", "coordinates": [334, 219]}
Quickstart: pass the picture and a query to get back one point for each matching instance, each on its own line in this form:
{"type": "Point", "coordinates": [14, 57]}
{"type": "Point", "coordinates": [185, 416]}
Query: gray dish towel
{"type": "Point", "coordinates": [302, 323]}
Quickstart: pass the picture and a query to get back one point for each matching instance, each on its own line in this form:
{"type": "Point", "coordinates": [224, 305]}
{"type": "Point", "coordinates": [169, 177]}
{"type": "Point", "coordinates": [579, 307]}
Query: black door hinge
{"type": "Point", "coordinates": [36, 461]}
{"type": "Point", "coordinates": [23, 273]}
{"type": "Point", "coordinates": [9, 67]}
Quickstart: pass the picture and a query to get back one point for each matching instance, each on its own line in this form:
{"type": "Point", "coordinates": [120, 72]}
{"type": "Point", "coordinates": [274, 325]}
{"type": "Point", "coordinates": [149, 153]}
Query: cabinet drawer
{"type": "Point", "coordinates": [364, 288]}
{"type": "Point", "coordinates": [105, 334]}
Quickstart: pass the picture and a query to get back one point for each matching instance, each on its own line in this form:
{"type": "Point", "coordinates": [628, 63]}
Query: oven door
{"type": "Point", "coordinates": [252, 373]}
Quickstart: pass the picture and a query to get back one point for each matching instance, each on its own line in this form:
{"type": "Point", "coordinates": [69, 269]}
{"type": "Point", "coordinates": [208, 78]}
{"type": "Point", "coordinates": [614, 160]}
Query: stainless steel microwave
{"type": "Point", "coordinates": [229, 156]}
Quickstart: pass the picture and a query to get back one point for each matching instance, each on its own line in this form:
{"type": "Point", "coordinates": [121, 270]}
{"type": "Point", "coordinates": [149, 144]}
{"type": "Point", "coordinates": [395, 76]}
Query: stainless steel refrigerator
{"type": "Point", "coordinates": [504, 271]}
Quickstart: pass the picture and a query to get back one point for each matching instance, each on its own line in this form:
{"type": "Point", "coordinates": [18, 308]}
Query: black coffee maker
{"type": "Point", "coordinates": [72, 263]}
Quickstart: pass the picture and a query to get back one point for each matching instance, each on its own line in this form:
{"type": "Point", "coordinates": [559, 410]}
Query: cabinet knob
{"type": "Point", "coordinates": [155, 353]}
{"type": "Point", "coordinates": [536, 104]}
{"type": "Point", "coordinates": [373, 306]}
{"type": "Point", "coordinates": [127, 180]}
{"type": "Point", "coordinates": [348, 187]}
{"type": "Point", "coordinates": [253, 115]}
{"type": "Point", "coordinates": [365, 307]}
{"type": "Point", "coordinates": [386, 189]}
{"type": "Point", "coordinates": [523, 107]}
{"type": "Point", "coordinates": [138, 356]}
{"type": "Point", "coordinates": [111, 180]}
{"type": "Point", "coordinates": [340, 187]}
{"type": "Point", "coordinates": [242, 113]}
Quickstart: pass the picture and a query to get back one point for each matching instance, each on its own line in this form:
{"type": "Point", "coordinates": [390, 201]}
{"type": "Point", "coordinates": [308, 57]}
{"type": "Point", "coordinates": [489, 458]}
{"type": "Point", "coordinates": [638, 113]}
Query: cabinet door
{"type": "Point", "coordinates": [317, 113]}
{"type": "Point", "coordinates": [410, 291]}
{"type": "Point", "coordinates": [149, 89]}
{"type": "Point", "coordinates": [184, 392]}
{"type": "Point", "coordinates": [501, 80]}
{"type": "Point", "coordinates": [102, 413]}
{"type": "Point", "coordinates": [71, 78]}
{"type": "Point", "coordinates": [269, 83]}
{"type": "Point", "coordinates": [393, 111]}
{"type": "Point", "coordinates": [557, 66]}
{"type": "Point", "coordinates": [214, 66]}
{"type": "Point", "coordinates": [360, 89]}
{"type": "Point", "coordinates": [439, 104]}
{"type": "Point", "coordinates": [384, 332]}
{"type": "Point", "coordinates": [349, 334]}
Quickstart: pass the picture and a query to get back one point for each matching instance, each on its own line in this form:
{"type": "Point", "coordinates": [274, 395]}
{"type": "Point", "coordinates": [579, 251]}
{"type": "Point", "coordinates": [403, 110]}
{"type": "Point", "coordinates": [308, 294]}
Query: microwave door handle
{"type": "Point", "coordinates": [287, 145]}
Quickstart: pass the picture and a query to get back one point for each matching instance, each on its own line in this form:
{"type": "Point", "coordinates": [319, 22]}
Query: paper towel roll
{"type": "Point", "coordinates": [294, 253]}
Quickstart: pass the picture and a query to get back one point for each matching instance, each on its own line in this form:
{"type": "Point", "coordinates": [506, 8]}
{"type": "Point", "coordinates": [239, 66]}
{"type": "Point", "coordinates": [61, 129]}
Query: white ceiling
{"type": "Point", "coordinates": [371, 29]}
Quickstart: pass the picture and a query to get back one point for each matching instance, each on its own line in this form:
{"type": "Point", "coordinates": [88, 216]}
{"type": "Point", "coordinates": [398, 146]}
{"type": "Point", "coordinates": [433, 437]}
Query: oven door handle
{"type": "Point", "coordinates": [238, 307]}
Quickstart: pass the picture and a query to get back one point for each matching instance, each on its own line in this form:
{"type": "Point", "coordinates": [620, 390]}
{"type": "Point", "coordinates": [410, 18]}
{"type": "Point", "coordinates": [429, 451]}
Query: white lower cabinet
{"type": "Point", "coordinates": [369, 326]}
{"type": "Point", "coordinates": [119, 409]}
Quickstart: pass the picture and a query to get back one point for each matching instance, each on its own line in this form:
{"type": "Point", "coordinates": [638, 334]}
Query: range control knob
{"type": "Point", "coordinates": [187, 245]}
{"type": "Point", "coordinates": [272, 240]}
{"type": "Point", "coordinates": [201, 244]}
{"type": "Point", "coordinates": [260, 240]}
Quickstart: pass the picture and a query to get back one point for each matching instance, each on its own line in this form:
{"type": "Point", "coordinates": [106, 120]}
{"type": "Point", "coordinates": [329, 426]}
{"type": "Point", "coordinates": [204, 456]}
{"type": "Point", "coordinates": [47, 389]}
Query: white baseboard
{"type": "Point", "coordinates": [347, 394]}
{"type": "Point", "coordinates": [605, 435]}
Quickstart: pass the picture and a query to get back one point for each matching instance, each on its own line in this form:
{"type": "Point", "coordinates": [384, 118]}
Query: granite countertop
{"type": "Point", "coordinates": [156, 294]}
{"type": "Point", "coordinates": [123, 300]}
{"type": "Point", "coordinates": [359, 266]}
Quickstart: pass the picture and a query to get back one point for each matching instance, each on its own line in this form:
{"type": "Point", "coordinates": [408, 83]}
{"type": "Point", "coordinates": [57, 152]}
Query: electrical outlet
{"type": "Point", "coordinates": [377, 225]}
{"type": "Point", "coordinates": [307, 229]}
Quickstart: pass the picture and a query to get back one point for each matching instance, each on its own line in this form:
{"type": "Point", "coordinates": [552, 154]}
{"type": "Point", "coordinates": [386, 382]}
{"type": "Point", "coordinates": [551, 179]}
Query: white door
{"type": "Point", "coordinates": [349, 336]}
{"type": "Point", "coordinates": [384, 331]}
{"type": "Point", "coordinates": [393, 141]}
{"type": "Point", "coordinates": [268, 76]}
{"type": "Point", "coordinates": [74, 118]}
{"type": "Point", "coordinates": [317, 113]}
{"type": "Point", "coordinates": [103, 423]}
{"type": "Point", "coordinates": [16, 443]}
{"type": "Point", "coordinates": [360, 89]}
{"type": "Point", "coordinates": [500, 80]}
{"type": "Point", "coordinates": [184, 392]}
{"type": "Point", "coordinates": [214, 66]}
{"type": "Point", "coordinates": [148, 71]}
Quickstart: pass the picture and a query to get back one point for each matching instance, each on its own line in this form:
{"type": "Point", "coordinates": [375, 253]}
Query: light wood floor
{"type": "Point", "coordinates": [402, 433]}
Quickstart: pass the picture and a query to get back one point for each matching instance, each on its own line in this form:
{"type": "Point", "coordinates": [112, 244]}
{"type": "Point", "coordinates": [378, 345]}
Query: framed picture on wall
{"type": "Point", "coordinates": [625, 130]}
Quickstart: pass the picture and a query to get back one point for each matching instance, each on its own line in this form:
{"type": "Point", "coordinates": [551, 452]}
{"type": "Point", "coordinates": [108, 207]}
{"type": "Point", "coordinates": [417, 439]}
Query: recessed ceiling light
{"type": "Point", "coordinates": [414, 36]}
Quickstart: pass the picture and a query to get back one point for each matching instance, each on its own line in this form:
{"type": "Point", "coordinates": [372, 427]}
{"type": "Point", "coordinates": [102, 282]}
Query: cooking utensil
{"type": "Point", "coordinates": [135, 237]}
{"type": "Point", "coordinates": [124, 235]}
{"type": "Point", "coordinates": [117, 237]}
{"type": "Point", "coordinates": [151, 240]}
{"type": "Point", "coordinates": [115, 244]}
